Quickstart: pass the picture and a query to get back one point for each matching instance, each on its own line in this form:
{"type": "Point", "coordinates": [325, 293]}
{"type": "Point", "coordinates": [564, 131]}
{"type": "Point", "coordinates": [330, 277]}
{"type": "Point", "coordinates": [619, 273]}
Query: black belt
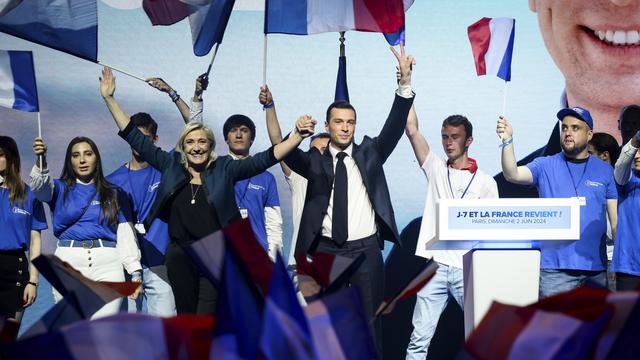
{"type": "Point", "coordinates": [353, 243]}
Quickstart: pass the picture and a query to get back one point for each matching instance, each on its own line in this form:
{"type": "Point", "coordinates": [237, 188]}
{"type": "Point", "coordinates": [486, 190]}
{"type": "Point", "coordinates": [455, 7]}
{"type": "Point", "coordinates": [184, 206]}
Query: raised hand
{"type": "Point", "coordinates": [107, 83]}
{"type": "Point", "coordinates": [503, 129]}
{"type": "Point", "coordinates": [39, 147]}
{"type": "Point", "coordinates": [202, 82]}
{"type": "Point", "coordinates": [159, 84]}
{"type": "Point", "coordinates": [265, 96]}
{"type": "Point", "coordinates": [405, 64]}
{"type": "Point", "coordinates": [305, 126]}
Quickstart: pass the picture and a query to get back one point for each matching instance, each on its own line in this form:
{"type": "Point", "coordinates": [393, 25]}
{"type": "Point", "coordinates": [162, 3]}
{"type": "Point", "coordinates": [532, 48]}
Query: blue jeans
{"type": "Point", "coordinates": [430, 303]}
{"type": "Point", "coordinates": [553, 281]}
{"type": "Point", "coordinates": [157, 293]}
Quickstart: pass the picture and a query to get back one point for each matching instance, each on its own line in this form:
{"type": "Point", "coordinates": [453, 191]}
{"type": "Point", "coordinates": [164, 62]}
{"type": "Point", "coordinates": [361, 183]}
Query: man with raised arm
{"type": "Point", "coordinates": [257, 197]}
{"type": "Point", "coordinates": [347, 210]}
{"type": "Point", "coordinates": [570, 173]}
{"type": "Point", "coordinates": [456, 178]}
{"type": "Point", "coordinates": [297, 184]}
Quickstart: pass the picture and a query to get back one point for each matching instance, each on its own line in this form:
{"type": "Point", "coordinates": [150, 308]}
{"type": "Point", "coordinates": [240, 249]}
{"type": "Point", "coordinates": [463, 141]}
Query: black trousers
{"type": "Point", "coordinates": [193, 292]}
{"type": "Point", "coordinates": [627, 282]}
{"type": "Point", "coordinates": [369, 278]}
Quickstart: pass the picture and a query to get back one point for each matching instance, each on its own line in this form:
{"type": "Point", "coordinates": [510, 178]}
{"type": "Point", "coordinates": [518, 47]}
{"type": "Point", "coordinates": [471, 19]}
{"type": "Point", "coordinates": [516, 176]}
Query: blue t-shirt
{"type": "Point", "coordinates": [68, 224]}
{"type": "Point", "coordinates": [18, 219]}
{"type": "Point", "coordinates": [555, 177]}
{"type": "Point", "coordinates": [626, 252]}
{"type": "Point", "coordinates": [141, 187]}
{"type": "Point", "coordinates": [253, 195]}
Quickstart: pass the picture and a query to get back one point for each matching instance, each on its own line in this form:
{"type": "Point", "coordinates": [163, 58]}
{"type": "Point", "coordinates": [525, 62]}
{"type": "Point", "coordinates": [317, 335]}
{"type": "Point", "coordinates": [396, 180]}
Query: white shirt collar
{"type": "Point", "coordinates": [335, 151]}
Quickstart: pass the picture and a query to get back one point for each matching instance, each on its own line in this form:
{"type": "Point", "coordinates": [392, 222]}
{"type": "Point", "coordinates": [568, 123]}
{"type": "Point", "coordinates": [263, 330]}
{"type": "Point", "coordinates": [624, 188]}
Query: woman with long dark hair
{"type": "Point", "coordinates": [21, 220]}
{"type": "Point", "coordinates": [90, 217]}
{"type": "Point", "coordinates": [196, 193]}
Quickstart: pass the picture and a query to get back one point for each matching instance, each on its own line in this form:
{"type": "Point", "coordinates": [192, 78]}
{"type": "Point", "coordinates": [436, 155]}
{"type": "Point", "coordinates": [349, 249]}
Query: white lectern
{"type": "Point", "coordinates": [503, 235]}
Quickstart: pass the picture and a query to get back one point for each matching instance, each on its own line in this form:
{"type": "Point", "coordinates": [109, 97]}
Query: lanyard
{"type": "Point", "coordinates": [240, 199]}
{"type": "Point", "coordinates": [573, 182]}
{"type": "Point", "coordinates": [465, 190]}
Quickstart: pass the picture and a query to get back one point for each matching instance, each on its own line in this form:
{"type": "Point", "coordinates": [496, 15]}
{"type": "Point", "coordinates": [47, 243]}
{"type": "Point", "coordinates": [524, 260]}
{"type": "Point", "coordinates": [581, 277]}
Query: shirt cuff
{"type": "Point", "coordinates": [405, 91]}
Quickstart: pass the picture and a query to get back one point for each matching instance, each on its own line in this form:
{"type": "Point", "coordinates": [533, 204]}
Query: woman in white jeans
{"type": "Point", "coordinates": [90, 217]}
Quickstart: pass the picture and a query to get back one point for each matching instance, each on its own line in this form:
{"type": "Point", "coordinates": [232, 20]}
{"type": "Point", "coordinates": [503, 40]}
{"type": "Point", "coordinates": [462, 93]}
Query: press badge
{"type": "Point", "coordinates": [244, 213]}
{"type": "Point", "coordinates": [582, 201]}
{"type": "Point", "coordinates": [140, 229]}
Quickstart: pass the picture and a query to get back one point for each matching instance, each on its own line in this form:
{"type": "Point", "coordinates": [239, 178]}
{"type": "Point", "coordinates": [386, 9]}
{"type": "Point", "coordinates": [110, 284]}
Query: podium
{"type": "Point", "coordinates": [504, 237]}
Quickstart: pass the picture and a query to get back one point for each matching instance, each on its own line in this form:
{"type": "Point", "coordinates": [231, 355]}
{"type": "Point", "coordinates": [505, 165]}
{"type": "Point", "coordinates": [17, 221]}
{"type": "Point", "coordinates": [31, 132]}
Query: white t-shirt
{"type": "Point", "coordinates": [435, 169]}
{"type": "Point", "coordinates": [298, 187]}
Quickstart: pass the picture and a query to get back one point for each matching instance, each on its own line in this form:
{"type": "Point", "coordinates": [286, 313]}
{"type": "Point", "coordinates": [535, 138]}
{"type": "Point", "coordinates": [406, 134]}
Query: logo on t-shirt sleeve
{"type": "Point", "coordinates": [17, 210]}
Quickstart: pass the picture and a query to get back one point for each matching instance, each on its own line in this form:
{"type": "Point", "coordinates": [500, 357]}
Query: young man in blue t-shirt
{"type": "Point", "coordinates": [626, 252]}
{"type": "Point", "coordinates": [140, 181]}
{"type": "Point", "coordinates": [257, 197]}
{"type": "Point", "coordinates": [571, 173]}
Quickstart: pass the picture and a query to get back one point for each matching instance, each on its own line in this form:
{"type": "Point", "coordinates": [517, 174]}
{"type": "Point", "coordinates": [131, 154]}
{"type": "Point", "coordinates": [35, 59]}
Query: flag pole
{"type": "Point", "coordinates": [504, 98]}
{"type": "Point", "coordinates": [215, 52]}
{"type": "Point", "coordinates": [264, 62]}
{"type": "Point", "coordinates": [123, 72]}
{"type": "Point", "coordinates": [40, 136]}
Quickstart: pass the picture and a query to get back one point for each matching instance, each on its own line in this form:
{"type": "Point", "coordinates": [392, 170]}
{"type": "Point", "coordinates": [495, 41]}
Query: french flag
{"type": "Point", "coordinates": [569, 325]}
{"type": "Point", "coordinates": [492, 46]}
{"type": "Point", "coordinates": [121, 336]}
{"type": "Point", "coordinates": [66, 25]}
{"type": "Point", "coordinates": [18, 81]}
{"type": "Point", "coordinates": [410, 289]}
{"type": "Point", "coordinates": [306, 17]}
{"type": "Point", "coordinates": [82, 296]}
{"type": "Point", "coordinates": [330, 271]}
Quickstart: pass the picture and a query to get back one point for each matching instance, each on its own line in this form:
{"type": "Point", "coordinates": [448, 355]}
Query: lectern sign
{"type": "Point", "coordinates": [509, 219]}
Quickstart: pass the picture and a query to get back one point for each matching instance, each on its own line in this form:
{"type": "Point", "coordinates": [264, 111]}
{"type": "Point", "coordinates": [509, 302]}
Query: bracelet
{"type": "Point", "coordinates": [136, 274]}
{"type": "Point", "coordinates": [268, 105]}
{"type": "Point", "coordinates": [174, 96]}
{"type": "Point", "coordinates": [32, 283]}
{"type": "Point", "coordinates": [506, 143]}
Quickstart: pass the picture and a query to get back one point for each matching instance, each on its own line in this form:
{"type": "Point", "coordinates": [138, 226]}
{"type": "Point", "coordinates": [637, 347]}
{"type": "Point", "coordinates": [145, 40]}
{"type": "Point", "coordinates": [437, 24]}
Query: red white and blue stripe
{"type": "Point", "coordinates": [18, 81]}
{"type": "Point", "coordinates": [492, 46]}
{"type": "Point", "coordinates": [306, 17]}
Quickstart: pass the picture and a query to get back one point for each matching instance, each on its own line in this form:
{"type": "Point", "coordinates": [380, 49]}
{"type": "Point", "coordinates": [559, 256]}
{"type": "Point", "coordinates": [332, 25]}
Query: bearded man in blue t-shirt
{"type": "Point", "coordinates": [570, 173]}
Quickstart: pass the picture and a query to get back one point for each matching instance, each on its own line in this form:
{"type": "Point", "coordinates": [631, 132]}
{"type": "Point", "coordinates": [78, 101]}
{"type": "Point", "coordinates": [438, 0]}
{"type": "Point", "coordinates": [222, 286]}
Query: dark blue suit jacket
{"type": "Point", "coordinates": [219, 177]}
{"type": "Point", "coordinates": [369, 156]}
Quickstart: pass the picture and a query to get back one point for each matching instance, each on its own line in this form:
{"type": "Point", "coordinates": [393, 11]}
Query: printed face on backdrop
{"type": "Point", "coordinates": [595, 44]}
{"type": "Point", "coordinates": [320, 144]}
{"type": "Point", "coordinates": [197, 147]}
{"type": "Point", "coordinates": [239, 139]}
{"type": "Point", "coordinates": [636, 161]}
{"type": "Point", "coordinates": [575, 135]}
{"type": "Point", "coordinates": [83, 160]}
{"type": "Point", "coordinates": [454, 141]}
{"type": "Point", "coordinates": [147, 133]}
{"type": "Point", "coordinates": [341, 127]}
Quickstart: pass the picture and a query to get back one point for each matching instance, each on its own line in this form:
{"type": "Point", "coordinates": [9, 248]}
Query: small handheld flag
{"type": "Point", "coordinates": [492, 46]}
